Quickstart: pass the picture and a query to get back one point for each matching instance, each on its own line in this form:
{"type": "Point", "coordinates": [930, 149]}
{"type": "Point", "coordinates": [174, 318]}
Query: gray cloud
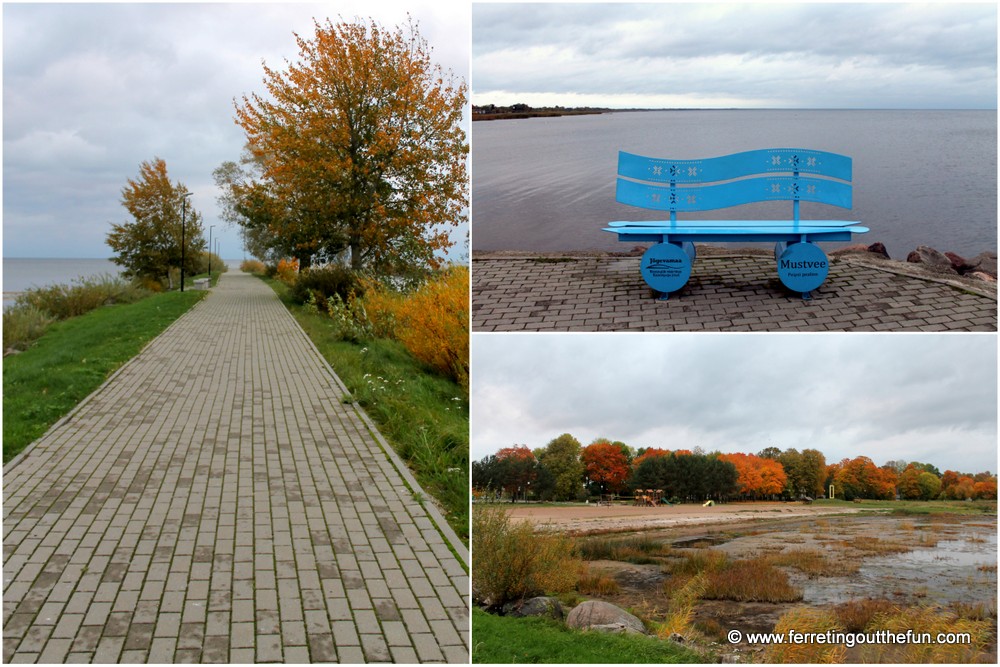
{"type": "Point", "coordinates": [929, 398]}
{"type": "Point", "coordinates": [802, 55]}
{"type": "Point", "coordinates": [92, 90]}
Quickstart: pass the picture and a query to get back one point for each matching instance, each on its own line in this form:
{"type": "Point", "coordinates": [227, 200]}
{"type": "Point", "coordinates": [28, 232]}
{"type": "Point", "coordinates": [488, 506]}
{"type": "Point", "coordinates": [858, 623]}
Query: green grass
{"type": "Point", "coordinates": [506, 640]}
{"type": "Point", "coordinates": [918, 507]}
{"type": "Point", "coordinates": [73, 358]}
{"type": "Point", "coordinates": [424, 416]}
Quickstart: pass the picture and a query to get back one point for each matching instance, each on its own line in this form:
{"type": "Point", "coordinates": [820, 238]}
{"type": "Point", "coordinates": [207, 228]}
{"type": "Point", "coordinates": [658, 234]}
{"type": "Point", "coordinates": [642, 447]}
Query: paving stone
{"type": "Point", "coordinates": [734, 292]}
{"type": "Point", "coordinates": [194, 509]}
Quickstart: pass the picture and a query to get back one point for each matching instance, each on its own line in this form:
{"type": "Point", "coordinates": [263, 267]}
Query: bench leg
{"type": "Point", "coordinates": [666, 267]}
{"type": "Point", "coordinates": [802, 267]}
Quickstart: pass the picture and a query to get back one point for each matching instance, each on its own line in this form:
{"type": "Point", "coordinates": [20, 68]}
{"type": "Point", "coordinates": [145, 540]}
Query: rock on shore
{"type": "Point", "coordinates": [982, 267]}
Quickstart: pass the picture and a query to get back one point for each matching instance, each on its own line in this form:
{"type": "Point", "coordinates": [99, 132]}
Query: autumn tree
{"type": "Point", "coordinates": [561, 457]}
{"type": "Point", "coordinates": [517, 470]}
{"type": "Point", "coordinates": [756, 476]}
{"type": "Point", "coordinates": [357, 145]}
{"type": "Point", "coordinates": [605, 465]}
{"type": "Point", "coordinates": [150, 245]}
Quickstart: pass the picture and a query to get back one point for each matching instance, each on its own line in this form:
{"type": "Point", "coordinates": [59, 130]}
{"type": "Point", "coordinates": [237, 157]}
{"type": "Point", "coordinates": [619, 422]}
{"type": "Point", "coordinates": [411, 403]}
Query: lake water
{"type": "Point", "coordinates": [20, 274]}
{"type": "Point", "coordinates": [920, 177]}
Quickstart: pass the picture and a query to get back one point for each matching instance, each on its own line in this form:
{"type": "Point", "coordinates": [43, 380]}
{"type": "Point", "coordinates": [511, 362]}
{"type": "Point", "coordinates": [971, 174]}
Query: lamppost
{"type": "Point", "coordinates": [210, 254]}
{"type": "Point", "coordinates": [183, 241]}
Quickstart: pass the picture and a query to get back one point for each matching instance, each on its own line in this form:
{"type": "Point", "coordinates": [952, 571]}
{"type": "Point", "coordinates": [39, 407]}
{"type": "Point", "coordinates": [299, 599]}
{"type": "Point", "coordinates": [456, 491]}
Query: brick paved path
{"type": "Point", "coordinates": [735, 293]}
{"type": "Point", "coordinates": [216, 501]}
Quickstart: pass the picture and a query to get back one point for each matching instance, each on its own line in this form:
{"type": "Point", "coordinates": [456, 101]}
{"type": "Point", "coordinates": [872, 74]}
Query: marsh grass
{"type": "Point", "coordinates": [932, 620]}
{"type": "Point", "coordinates": [639, 550]}
{"type": "Point", "coordinates": [597, 584]}
{"type": "Point", "coordinates": [855, 615]}
{"type": "Point", "coordinates": [747, 580]}
{"type": "Point", "coordinates": [681, 611]}
{"type": "Point", "coordinates": [750, 581]}
{"type": "Point", "coordinates": [815, 563]}
{"type": "Point", "coordinates": [805, 619]}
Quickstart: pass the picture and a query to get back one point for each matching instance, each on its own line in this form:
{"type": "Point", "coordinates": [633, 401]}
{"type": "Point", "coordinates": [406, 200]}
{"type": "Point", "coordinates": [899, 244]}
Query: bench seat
{"type": "Point", "coordinates": [766, 175]}
{"type": "Point", "coordinates": [748, 231]}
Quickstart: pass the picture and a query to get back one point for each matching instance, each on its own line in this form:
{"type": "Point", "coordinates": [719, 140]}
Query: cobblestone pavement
{"type": "Point", "coordinates": [733, 293]}
{"type": "Point", "coordinates": [217, 501]}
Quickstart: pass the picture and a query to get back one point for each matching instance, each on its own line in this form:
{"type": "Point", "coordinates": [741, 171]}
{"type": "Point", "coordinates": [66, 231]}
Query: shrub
{"type": "Point", "coordinates": [287, 271]}
{"type": "Point", "coordinates": [433, 324]}
{"type": "Point", "coordinates": [218, 266]}
{"type": "Point", "coordinates": [350, 322]}
{"type": "Point", "coordinates": [511, 562]}
{"type": "Point", "coordinates": [82, 296]}
{"type": "Point", "coordinates": [23, 324]}
{"type": "Point", "coordinates": [323, 283]}
{"type": "Point", "coordinates": [253, 266]}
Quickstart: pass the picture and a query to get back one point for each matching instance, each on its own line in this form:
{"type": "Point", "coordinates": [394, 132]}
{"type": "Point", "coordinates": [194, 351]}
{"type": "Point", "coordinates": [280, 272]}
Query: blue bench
{"type": "Point", "coordinates": [773, 174]}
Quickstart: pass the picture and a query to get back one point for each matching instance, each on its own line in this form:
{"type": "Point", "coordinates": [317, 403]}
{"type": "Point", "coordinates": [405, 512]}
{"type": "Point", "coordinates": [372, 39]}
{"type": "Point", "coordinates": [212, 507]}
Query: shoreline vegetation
{"type": "Point", "coordinates": [520, 111]}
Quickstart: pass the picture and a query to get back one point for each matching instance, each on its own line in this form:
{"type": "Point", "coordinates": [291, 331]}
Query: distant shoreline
{"type": "Point", "coordinates": [538, 113]}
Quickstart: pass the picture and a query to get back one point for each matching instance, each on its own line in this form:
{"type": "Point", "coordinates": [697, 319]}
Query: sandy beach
{"type": "Point", "coordinates": [583, 519]}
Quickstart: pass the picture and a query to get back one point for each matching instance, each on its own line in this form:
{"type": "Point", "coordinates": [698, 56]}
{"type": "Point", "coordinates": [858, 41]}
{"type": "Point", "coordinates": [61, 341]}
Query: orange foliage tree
{"type": "Point", "coordinates": [757, 476]}
{"type": "Point", "coordinates": [648, 453]}
{"type": "Point", "coordinates": [150, 245]}
{"type": "Point", "coordinates": [359, 144]}
{"type": "Point", "coordinates": [605, 464]}
{"type": "Point", "coordinates": [861, 478]}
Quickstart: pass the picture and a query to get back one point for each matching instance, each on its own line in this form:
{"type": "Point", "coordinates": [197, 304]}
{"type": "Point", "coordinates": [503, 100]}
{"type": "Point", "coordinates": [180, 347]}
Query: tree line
{"type": "Point", "coordinates": [565, 470]}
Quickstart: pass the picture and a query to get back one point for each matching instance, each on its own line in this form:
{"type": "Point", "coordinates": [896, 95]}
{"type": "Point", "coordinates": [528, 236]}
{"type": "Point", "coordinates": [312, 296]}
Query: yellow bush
{"type": "Point", "coordinates": [253, 266]}
{"type": "Point", "coordinates": [288, 270]}
{"type": "Point", "coordinates": [432, 323]}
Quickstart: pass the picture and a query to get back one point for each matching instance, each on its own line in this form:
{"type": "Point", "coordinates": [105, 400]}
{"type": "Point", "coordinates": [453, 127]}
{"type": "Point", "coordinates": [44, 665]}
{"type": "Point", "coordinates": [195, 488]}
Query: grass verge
{"type": "Point", "coordinates": [506, 640]}
{"type": "Point", "coordinates": [917, 507]}
{"type": "Point", "coordinates": [423, 415]}
{"type": "Point", "coordinates": [73, 358]}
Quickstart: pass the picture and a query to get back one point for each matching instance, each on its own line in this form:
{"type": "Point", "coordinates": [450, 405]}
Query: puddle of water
{"type": "Point", "coordinates": [947, 572]}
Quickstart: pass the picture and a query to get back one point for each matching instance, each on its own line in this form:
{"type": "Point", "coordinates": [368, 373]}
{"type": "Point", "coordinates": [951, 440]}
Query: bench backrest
{"type": "Point", "coordinates": [771, 174]}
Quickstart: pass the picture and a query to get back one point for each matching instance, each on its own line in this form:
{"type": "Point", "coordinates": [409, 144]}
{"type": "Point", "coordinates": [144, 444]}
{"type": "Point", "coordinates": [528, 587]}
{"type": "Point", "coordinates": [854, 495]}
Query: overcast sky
{"type": "Point", "coordinates": [928, 398]}
{"type": "Point", "coordinates": [92, 90]}
{"type": "Point", "coordinates": [788, 55]}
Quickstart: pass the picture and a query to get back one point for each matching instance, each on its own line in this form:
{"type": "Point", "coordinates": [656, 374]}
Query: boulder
{"type": "Point", "coordinates": [985, 277]}
{"type": "Point", "coordinates": [540, 606]}
{"type": "Point", "coordinates": [604, 617]}
{"type": "Point", "coordinates": [985, 262]}
{"type": "Point", "coordinates": [958, 262]}
{"type": "Point", "coordinates": [878, 248]}
{"type": "Point", "coordinates": [931, 259]}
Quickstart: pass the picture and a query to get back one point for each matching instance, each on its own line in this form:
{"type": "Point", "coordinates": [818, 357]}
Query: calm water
{"type": "Point", "coordinates": [20, 274]}
{"type": "Point", "coordinates": [920, 177]}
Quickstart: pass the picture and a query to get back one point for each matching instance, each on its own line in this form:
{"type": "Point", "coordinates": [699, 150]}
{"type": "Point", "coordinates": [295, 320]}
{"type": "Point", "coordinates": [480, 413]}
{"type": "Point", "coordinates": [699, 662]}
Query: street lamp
{"type": "Point", "coordinates": [210, 254]}
{"type": "Point", "coordinates": [183, 243]}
